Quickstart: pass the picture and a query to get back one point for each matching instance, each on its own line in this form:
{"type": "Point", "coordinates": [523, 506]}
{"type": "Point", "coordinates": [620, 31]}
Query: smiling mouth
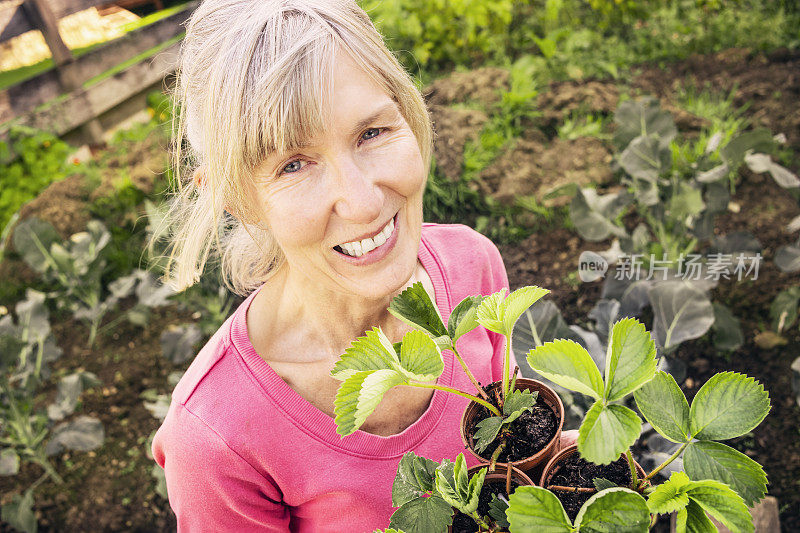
{"type": "Point", "coordinates": [365, 246]}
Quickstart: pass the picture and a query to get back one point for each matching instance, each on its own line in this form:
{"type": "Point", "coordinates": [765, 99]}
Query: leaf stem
{"type": "Point", "coordinates": [506, 364]}
{"type": "Point", "coordinates": [634, 474]}
{"type": "Point", "coordinates": [469, 374]}
{"type": "Point", "coordinates": [665, 463]}
{"type": "Point", "coordinates": [467, 395]}
{"type": "Point", "coordinates": [495, 455]}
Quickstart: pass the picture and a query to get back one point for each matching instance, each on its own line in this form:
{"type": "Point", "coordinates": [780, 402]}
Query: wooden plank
{"type": "Point", "coordinates": [27, 95]}
{"type": "Point", "coordinates": [41, 16]}
{"type": "Point", "coordinates": [13, 21]}
{"type": "Point", "coordinates": [82, 105]}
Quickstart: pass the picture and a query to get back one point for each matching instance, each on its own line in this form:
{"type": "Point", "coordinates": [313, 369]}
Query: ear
{"type": "Point", "coordinates": [199, 177]}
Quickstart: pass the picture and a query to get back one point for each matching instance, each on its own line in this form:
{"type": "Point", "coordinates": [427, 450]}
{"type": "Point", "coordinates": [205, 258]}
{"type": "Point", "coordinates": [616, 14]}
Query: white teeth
{"type": "Point", "coordinates": [359, 248]}
{"type": "Point", "coordinates": [367, 245]}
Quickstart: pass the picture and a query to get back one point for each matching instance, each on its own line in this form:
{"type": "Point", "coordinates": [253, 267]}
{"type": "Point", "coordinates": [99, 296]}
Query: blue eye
{"type": "Point", "coordinates": [295, 165]}
{"type": "Point", "coordinates": [367, 137]}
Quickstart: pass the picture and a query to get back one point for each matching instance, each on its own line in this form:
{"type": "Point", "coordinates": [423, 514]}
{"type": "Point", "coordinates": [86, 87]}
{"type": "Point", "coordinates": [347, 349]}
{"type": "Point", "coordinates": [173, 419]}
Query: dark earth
{"type": "Point", "coordinates": [463, 523]}
{"type": "Point", "coordinates": [525, 436]}
{"type": "Point", "coordinates": [577, 472]}
{"type": "Point", "coordinates": [112, 489]}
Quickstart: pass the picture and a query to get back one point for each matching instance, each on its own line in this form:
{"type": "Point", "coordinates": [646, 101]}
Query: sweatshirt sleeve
{"type": "Point", "coordinates": [211, 487]}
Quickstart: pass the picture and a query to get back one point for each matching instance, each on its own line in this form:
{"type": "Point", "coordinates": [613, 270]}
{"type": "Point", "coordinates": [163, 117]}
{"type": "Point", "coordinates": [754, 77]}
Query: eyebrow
{"type": "Point", "coordinates": [363, 123]}
{"type": "Point", "coordinates": [389, 107]}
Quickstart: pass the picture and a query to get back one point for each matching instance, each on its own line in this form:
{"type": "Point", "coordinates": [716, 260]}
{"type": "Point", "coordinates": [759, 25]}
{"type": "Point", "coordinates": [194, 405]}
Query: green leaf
{"type": "Point", "coordinates": [32, 240]}
{"type": "Point", "coordinates": [423, 515]}
{"type": "Point", "coordinates": [82, 434]}
{"type": "Point", "coordinates": [645, 158]}
{"type": "Point", "coordinates": [727, 329]}
{"type": "Point", "coordinates": [663, 404]}
{"type": "Point", "coordinates": [568, 364]}
{"type": "Point", "coordinates": [712, 460]}
{"type": "Point", "coordinates": [728, 405]}
{"type": "Point", "coordinates": [759, 140]}
{"type": "Point", "coordinates": [601, 483]}
{"type": "Point", "coordinates": [414, 307]}
{"type": "Point", "coordinates": [19, 513]}
{"type": "Point", "coordinates": [178, 342]}
{"type": "Point", "coordinates": [454, 485]}
{"type": "Point", "coordinates": [517, 302]}
{"type": "Point", "coordinates": [420, 357]}
{"type": "Point", "coordinates": [693, 519]}
{"type": "Point", "coordinates": [373, 351]}
{"type": "Point", "coordinates": [721, 502]}
{"type": "Point", "coordinates": [537, 509]}
{"type": "Point", "coordinates": [359, 395]}
{"type": "Point", "coordinates": [614, 510]}
{"type": "Point", "coordinates": [607, 432]}
{"type": "Point", "coordinates": [669, 496]}
{"type": "Point", "coordinates": [463, 318]}
{"type": "Point", "coordinates": [783, 310]}
{"type": "Point", "coordinates": [490, 312]}
{"type": "Point", "coordinates": [9, 462]}
{"type": "Point", "coordinates": [497, 510]}
{"type": "Point", "coordinates": [488, 428]}
{"type": "Point", "coordinates": [643, 116]}
{"type": "Point", "coordinates": [681, 312]}
{"type": "Point", "coordinates": [630, 360]}
{"type": "Point", "coordinates": [415, 478]}
{"type": "Point", "coordinates": [519, 400]}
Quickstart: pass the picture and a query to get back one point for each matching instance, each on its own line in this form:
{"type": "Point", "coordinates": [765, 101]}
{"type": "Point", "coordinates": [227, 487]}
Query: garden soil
{"type": "Point", "coordinates": [111, 489]}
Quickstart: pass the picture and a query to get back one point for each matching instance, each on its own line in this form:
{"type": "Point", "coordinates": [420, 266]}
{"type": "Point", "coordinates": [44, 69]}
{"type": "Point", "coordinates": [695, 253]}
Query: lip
{"type": "Point", "coordinates": [378, 253]}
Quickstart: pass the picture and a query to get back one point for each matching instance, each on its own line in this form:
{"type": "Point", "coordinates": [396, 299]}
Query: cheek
{"type": "Point", "coordinates": [294, 223]}
{"type": "Point", "coordinates": [408, 175]}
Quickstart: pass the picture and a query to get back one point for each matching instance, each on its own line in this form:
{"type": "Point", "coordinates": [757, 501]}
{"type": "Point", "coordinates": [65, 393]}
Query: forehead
{"type": "Point", "coordinates": [345, 101]}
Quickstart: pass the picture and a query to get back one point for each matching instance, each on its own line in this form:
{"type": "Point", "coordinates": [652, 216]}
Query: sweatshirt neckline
{"type": "Point", "coordinates": [321, 426]}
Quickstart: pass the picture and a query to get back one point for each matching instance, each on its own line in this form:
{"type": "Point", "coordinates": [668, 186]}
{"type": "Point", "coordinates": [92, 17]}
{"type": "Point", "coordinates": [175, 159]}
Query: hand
{"type": "Point", "coordinates": [568, 438]}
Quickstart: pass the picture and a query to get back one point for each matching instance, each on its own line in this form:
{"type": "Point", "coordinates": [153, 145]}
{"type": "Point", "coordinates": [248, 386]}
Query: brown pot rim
{"type": "Point", "coordinates": [548, 395]}
{"type": "Point", "coordinates": [567, 452]}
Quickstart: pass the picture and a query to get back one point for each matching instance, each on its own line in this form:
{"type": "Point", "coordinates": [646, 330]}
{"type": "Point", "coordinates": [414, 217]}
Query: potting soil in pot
{"type": "Point", "coordinates": [577, 472]}
{"type": "Point", "coordinates": [530, 433]}
{"type": "Point", "coordinates": [463, 523]}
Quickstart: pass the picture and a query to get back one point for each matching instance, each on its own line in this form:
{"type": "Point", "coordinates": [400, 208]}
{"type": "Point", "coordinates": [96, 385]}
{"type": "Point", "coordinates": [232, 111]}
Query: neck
{"type": "Point", "coordinates": [327, 321]}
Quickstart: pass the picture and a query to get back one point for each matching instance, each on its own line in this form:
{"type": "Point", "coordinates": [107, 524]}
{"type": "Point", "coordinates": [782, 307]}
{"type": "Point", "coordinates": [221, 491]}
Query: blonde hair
{"type": "Point", "coordinates": [253, 78]}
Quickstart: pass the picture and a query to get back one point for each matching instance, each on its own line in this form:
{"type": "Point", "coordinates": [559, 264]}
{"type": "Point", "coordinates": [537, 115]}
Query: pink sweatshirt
{"type": "Point", "coordinates": [242, 451]}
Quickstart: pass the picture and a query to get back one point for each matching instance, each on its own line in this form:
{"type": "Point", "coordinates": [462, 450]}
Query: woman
{"type": "Point", "coordinates": [305, 129]}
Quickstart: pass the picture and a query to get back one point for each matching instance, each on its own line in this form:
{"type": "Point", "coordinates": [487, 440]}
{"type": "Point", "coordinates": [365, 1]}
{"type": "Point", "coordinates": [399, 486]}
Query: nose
{"type": "Point", "coordinates": [358, 196]}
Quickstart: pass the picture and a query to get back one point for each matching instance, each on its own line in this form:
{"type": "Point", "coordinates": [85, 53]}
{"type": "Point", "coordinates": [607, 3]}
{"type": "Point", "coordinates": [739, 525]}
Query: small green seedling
{"type": "Point", "coordinates": [373, 365]}
{"type": "Point", "coordinates": [426, 492]}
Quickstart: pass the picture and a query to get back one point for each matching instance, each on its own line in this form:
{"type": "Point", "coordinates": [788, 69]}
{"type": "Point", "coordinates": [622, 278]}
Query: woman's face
{"type": "Point", "coordinates": [347, 209]}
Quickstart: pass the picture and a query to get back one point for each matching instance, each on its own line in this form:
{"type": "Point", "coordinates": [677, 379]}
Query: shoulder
{"type": "Point", "coordinates": [457, 243]}
{"type": "Point", "coordinates": [205, 360]}
{"type": "Point", "coordinates": [470, 262]}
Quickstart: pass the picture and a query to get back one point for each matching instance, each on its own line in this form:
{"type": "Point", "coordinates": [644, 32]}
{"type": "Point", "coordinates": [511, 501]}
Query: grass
{"type": "Point", "coordinates": [719, 109]}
